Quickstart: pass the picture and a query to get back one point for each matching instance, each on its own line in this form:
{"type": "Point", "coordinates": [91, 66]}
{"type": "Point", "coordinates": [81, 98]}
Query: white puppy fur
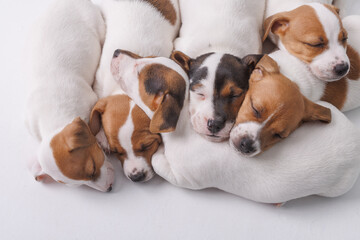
{"type": "Point", "coordinates": [220, 26]}
{"type": "Point", "coordinates": [138, 27]}
{"type": "Point", "coordinates": [64, 55]}
{"type": "Point", "coordinates": [317, 159]}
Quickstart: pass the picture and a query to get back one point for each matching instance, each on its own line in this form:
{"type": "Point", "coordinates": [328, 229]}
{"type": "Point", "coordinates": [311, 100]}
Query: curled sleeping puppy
{"type": "Point", "coordinates": [144, 27]}
{"type": "Point", "coordinates": [65, 53]}
{"type": "Point", "coordinates": [126, 128]}
{"type": "Point", "coordinates": [319, 53]}
{"type": "Point", "coordinates": [148, 28]}
{"type": "Point", "coordinates": [305, 164]}
{"type": "Point", "coordinates": [273, 108]}
{"type": "Point", "coordinates": [220, 26]}
{"type": "Point", "coordinates": [218, 83]}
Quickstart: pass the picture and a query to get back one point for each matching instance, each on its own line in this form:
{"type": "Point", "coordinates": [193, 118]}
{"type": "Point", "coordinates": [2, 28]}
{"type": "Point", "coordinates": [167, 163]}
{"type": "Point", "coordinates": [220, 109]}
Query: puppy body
{"type": "Point", "coordinates": [146, 27]}
{"type": "Point", "coordinates": [344, 93]}
{"type": "Point", "coordinates": [64, 55]}
{"type": "Point", "coordinates": [220, 26]}
{"type": "Point", "coordinates": [305, 164]}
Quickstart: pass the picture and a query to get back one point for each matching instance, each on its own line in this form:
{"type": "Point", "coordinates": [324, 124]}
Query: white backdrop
{"type": "Point", "coordinates": [154, 210]}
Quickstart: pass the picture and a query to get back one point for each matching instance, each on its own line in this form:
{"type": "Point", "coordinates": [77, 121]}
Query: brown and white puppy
{"type": "Point", "coordinates": [218, 83]}
{"type": "Point", "coordinates": [343, 93]}
{"type": "Point", "coordinates": [127, 135]}
{"type": "Point", "coordinates": [273, 108]}
{"type": "Point", "coordinates": [315, 34]}
{"type": "Point", "coordinates": [65, 52]}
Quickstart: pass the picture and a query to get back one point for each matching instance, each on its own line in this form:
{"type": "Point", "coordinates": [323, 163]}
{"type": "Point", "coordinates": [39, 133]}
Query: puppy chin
{"type": "Point", "coordinates": [214, 138]}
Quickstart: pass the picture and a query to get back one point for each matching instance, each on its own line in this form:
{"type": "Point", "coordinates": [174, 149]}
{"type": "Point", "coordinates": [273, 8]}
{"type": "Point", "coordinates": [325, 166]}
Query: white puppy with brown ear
{"type": "Point", "coordinates": [317, 159]}
{"type": "Point", "coordinates": [64, 55]}
{"type": "Point", "coordinates": [147, 28]}
{"type": "Point", "coordinates": [232, 26]}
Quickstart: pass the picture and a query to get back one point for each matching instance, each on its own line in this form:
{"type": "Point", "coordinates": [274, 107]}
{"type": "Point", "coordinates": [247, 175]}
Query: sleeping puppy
{"type": "Point", "coordinates": [300, 166]}
{"type": "Point", "coordinates": [314, 33]}
{"type": "Point", "coordinates": [127, 135]}
{"type": "Point", "coordinates": [322, 55]}
{"type": "Point", "coordinates": [273, 108]}
{"type": "Point", "coordinates": [218, 83]}
{"type": "Point", "coordinates": [220, 26]}
{"type": "Point", "coordinates": [146, 27]}
{"type": "Point", "coordinates": [65, 53]}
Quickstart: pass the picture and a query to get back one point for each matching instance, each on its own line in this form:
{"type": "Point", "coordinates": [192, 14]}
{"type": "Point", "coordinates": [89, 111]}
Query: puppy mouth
{"type": "Point", "coordinates": [213, 136]}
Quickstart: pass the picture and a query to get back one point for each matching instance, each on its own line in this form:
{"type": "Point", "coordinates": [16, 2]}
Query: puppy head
{"type": "Point", "coordinates": [126, 128]}
{"type": "Point", "coordinates": [156, 85]}
{"type": "Point", "coordinates": [313, 33]}
{"type": "Point", "coordinates": [73, 157]}
{"type": "Point", "coordinates": [272, 109]}
{"type": "Point", "coordinates": [218, 83]}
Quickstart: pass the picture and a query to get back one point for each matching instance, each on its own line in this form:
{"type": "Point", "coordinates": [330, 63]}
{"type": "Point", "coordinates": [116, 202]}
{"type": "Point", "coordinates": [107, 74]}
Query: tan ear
{"type": "Point", "coordinates": [78, 135]}
{"type": "Point", "coordinates": [268, 65]}
{"type": "Point", "coordinates": [316, 112]}
{"type": "Point", "coordinates": [166, 116]}
{"type": "Point", "coordinates": [181, 59]}
{"type": "Point", "coordinates": [95, 116]}
{"type": "Point", "coordinates": [277, 24]}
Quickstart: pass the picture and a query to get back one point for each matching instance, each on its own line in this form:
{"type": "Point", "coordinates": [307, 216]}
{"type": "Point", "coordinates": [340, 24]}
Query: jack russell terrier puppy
{"type": "Point", "coordinates": [218, 83]}
{"type": "Point", "coordinates": [220, 26]}
{"type": "Point", "coordinates": [65, 53]}
{"type": "Point", "coordinates": [273, 108]}
{"type": "Point", "coordinates": [216, 41]}
{"type": "Point", "coordinates": [306, 164]}
{"type": "Point", "coordinates": [148, 28]}
{"type": "Point", "coordinates": [126, 128]}
{"type": "Point", "coordinates": [317, 51]}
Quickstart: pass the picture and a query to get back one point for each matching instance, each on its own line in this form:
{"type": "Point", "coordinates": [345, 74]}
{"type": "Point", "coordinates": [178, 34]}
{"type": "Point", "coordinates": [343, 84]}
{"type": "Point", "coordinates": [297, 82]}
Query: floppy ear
{"type": "Point", "coordinates": [182, 59]}
{"type": "Point", "coordinates": [79, 135]}
{"type": "Point", "coordinates": [316, 112]}
{"type": "Point", "coordinates": [277, 24]}
{"type": "Point", "coordinates": [268, 65]}
{"type": "Point", "coordinates": [251, 60]}
{"type": "Point", "coordinates": [166, 116]}
{"type": "Point", "coordinates": [95, 116]}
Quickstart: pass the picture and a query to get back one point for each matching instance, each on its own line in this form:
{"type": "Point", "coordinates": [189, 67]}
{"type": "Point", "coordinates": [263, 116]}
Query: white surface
{"type": "Point", "coordinates": [155, 210]}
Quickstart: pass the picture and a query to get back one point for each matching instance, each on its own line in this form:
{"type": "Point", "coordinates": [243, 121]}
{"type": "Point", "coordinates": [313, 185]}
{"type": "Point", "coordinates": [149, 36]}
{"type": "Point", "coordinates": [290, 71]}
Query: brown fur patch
{"type": "Point", "coordinates": [335, 93]}
{"type": "Point", "coordinates": [144, 143]}
{"type": "Point", "coordinates": [289, 26]}
{"type": "Point", "coordinates": [113, 112]}
{"type": "Point", "coordinates": [163, 90]}
{"type": "Point", "coordinates": [354, 73]}
{"type": "Point", "coordinates": [76, 152]}
{"type": "Point", "coordinates": [166, 8]}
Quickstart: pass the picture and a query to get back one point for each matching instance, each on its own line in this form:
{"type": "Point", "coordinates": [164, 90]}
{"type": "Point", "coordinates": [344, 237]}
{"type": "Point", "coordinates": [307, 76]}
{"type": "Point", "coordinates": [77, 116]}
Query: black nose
{"type": "Point", "coordinates": [137, 177]}
{"type": "Point", "coordinates": [116, 53]}
{"type": "Point", "coordinates": [215, 126]}
{"type": "Point", "coordinates": [246, 145]}
{"type": "Point", "coordinates": [341, 69]}
{"type": "Point", "coordinates": [109, 189]}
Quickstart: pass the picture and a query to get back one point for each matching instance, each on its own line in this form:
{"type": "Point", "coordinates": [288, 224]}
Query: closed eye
{"type": "Point", "coordinates": [235, 95]}
{"type": "Point", "coordinates": [316, 45]}
{"type": "Point", "coordinates": [145, 147]}
{"type": "Point", "coordinates": [277, 135]}
{"type": "Point", "coordinates": [257, 114]}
